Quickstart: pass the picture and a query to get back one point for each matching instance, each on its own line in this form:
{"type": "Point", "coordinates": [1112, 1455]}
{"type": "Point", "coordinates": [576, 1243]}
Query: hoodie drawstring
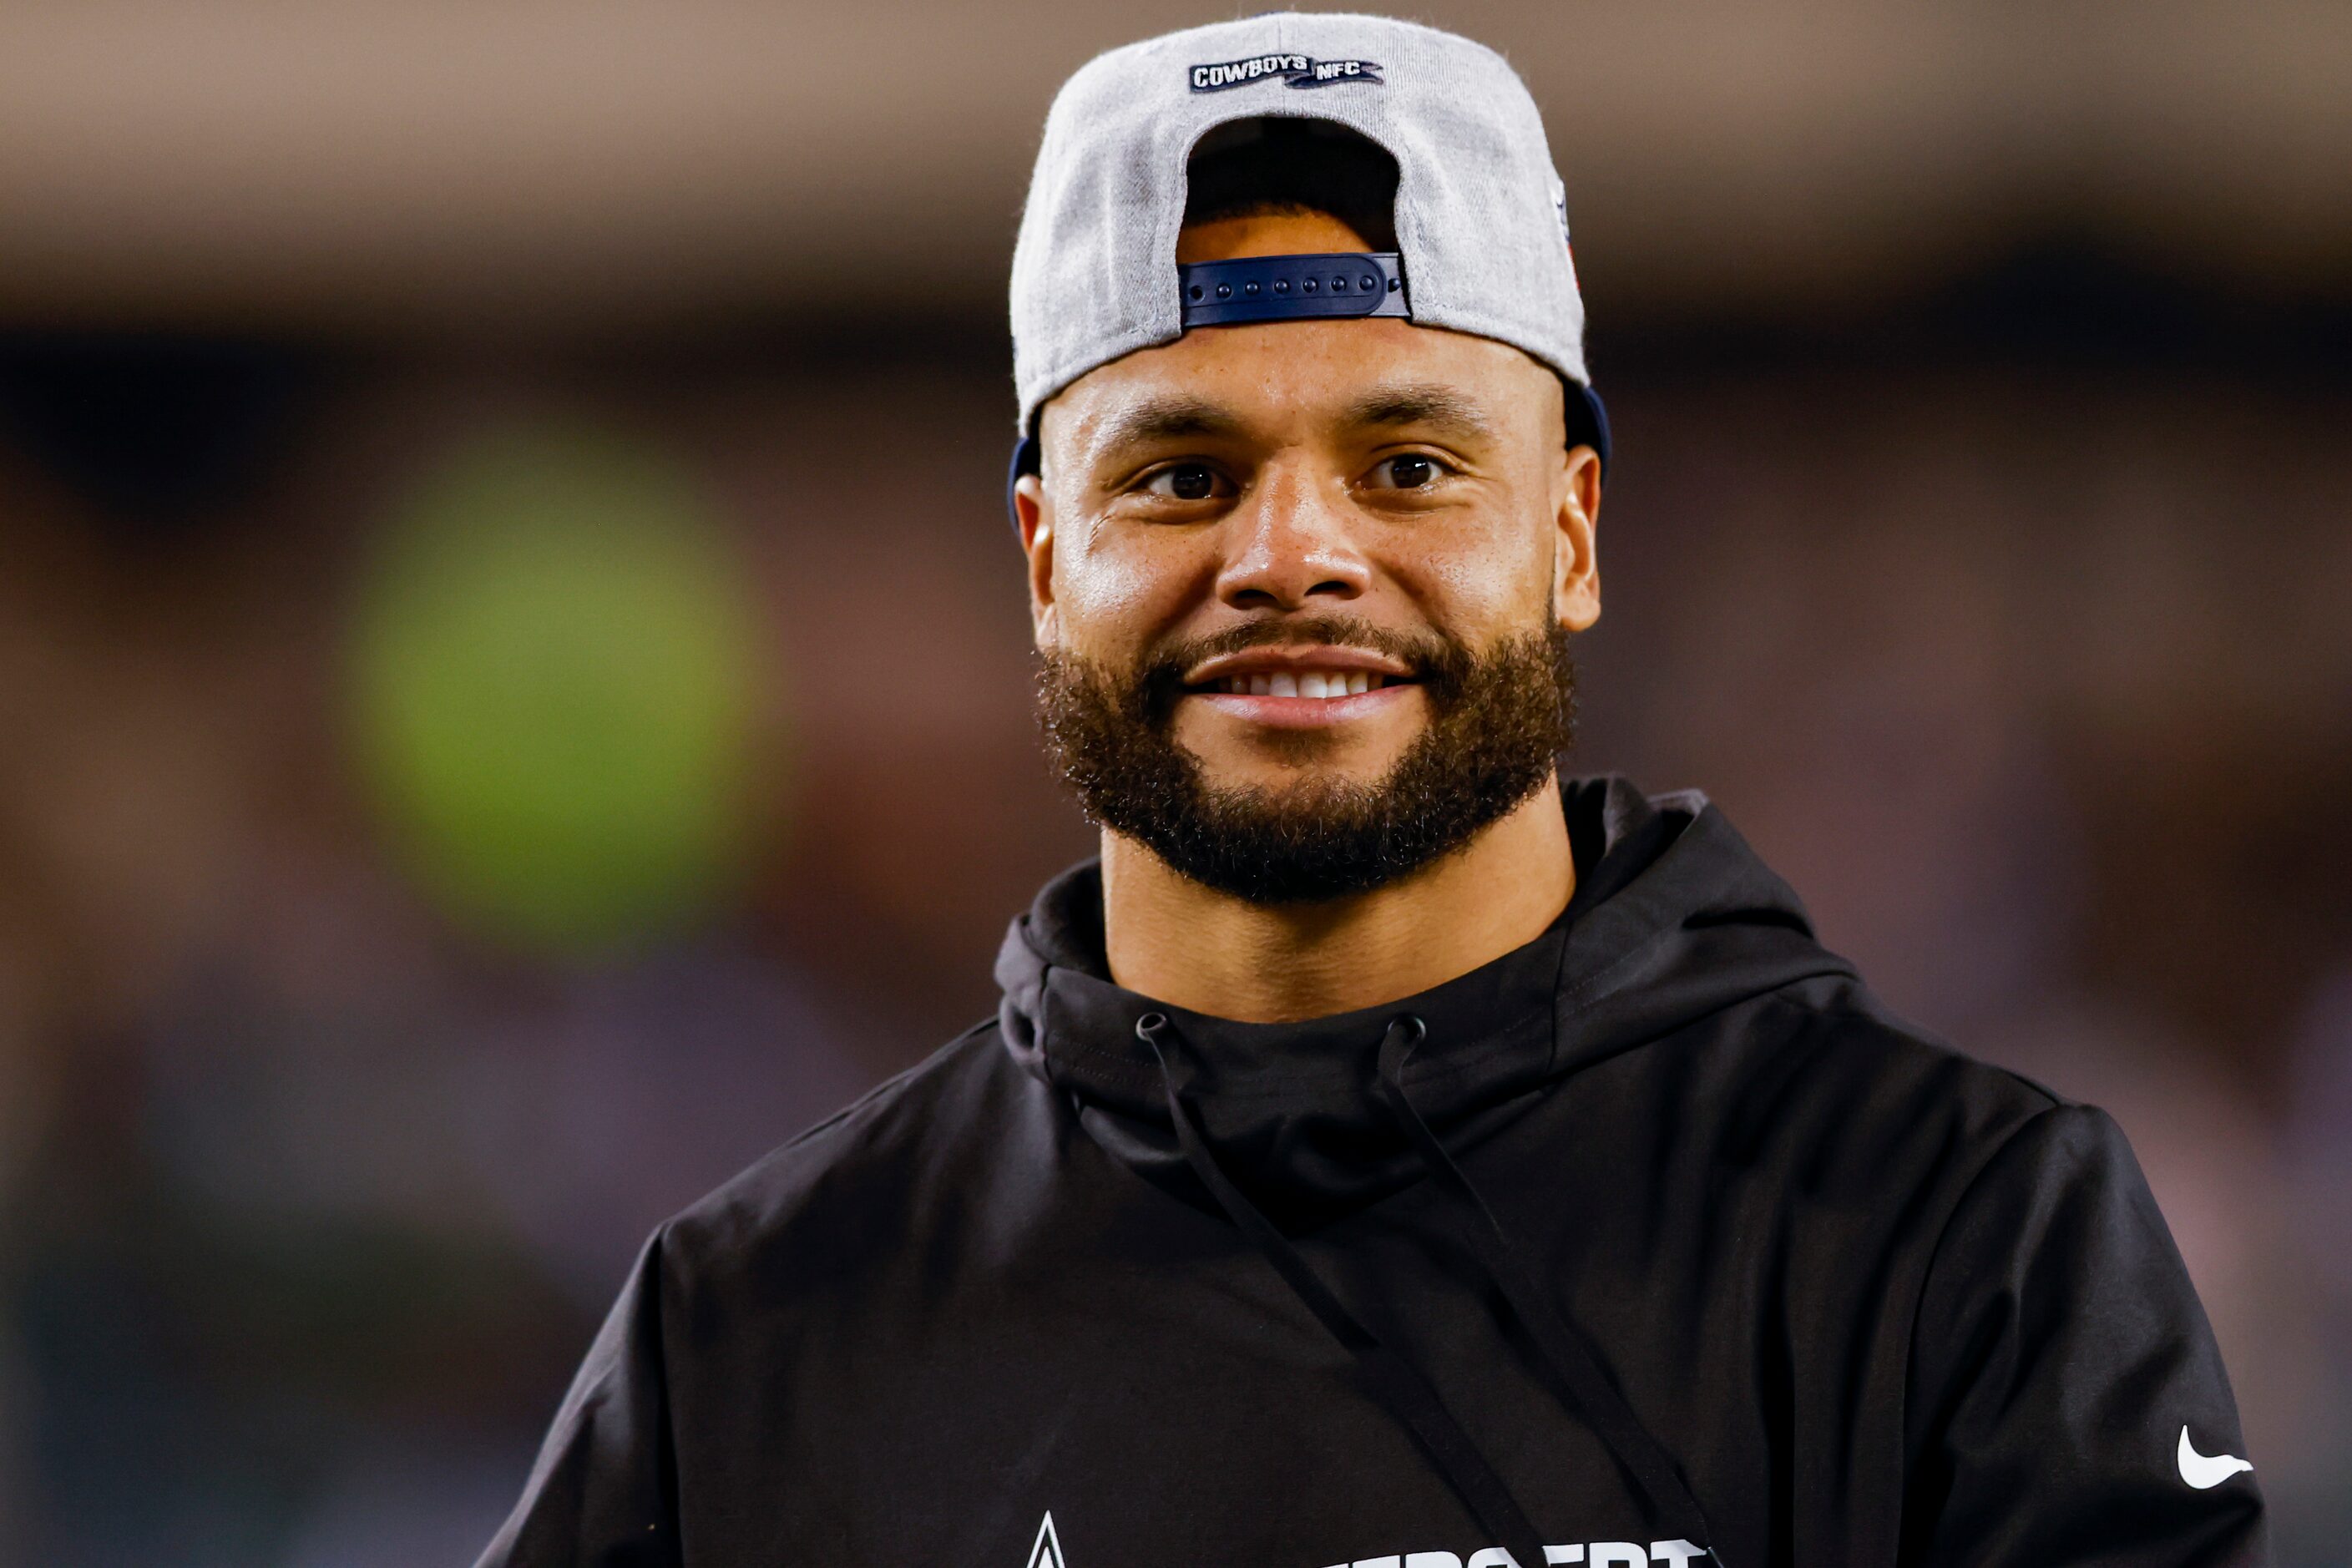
{"type": "Point", "coordinates": [1571, 1358]}
{"type": "Point", "coordinates": [1395, 1381]}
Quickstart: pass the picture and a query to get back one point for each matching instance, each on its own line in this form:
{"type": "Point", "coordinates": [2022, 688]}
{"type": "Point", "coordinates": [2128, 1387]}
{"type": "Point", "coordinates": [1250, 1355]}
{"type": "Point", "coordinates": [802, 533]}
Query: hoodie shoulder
{"type": "Point", "coordinates": [866, 1156]}
{"type": "Point", "coordinates": [1831, 1078]}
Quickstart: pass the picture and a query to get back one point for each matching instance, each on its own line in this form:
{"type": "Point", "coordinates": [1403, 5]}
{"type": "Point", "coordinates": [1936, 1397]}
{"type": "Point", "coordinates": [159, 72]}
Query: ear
{"type": "Point", "coordinates": [1576, 569]}
{"type": "Point", "coordinates": [1034, 514]}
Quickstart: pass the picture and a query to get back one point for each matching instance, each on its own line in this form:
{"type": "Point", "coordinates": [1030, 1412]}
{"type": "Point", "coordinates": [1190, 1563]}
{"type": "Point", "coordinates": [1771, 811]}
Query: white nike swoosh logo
{"type": "Point", "coordinates": [2202, 1470]}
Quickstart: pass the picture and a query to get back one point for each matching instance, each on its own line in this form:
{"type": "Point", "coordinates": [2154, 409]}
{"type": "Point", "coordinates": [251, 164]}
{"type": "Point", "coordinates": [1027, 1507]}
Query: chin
{"type": "Point", "coordinates": [1231, 754]}
{"type": "Point", "coordinates": [1293, 763]}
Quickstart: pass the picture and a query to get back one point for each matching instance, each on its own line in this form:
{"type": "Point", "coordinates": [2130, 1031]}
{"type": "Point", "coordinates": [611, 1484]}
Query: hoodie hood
{"type": "Point", "coordinates": [1673, 917]}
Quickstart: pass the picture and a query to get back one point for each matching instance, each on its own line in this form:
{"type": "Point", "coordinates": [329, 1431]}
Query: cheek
{"type": "Point", "coordinates": [1481, 577]}
{"type": "Point", "coordinates": [1118, 590]}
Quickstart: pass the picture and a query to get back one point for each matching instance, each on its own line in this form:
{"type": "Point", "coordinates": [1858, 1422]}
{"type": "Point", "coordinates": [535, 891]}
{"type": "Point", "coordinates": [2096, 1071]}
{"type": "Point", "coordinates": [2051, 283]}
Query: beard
{"type": "Point", "coordinates": [1497, 721]}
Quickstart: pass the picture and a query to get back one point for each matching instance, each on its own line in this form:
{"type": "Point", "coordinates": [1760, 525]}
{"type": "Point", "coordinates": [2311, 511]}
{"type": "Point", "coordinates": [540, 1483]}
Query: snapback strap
{"type": "Point", "coordinates": [1292, 288]}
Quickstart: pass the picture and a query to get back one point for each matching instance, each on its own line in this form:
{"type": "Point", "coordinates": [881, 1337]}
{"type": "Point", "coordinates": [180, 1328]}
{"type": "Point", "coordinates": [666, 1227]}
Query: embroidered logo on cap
{"type": "Point", "coordinates": [1294, 70]}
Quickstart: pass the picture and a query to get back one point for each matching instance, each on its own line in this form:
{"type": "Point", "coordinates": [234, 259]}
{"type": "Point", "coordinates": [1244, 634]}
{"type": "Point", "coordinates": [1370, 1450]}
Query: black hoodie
{"type": "Point", "coordinates": [1656, 1237]}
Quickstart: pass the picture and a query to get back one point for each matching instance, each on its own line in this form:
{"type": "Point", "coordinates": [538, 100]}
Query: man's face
{"type": "Point", "coordinates": [1228, 523]}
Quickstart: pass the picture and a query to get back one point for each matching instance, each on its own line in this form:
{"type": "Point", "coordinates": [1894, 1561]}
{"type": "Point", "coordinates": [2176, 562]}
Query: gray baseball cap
{"type": "Point", "coordinates": [1480, 217]}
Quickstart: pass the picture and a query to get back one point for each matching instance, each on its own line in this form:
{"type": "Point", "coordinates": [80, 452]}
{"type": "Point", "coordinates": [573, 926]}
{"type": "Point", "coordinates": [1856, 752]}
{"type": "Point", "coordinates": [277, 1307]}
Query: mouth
{"type": "Point", "coordinates": [1303, 686]}
{"type": "Point", "coordinates": [1303, 683]}
{"type": "Point", "coordinates": [1317, 671]}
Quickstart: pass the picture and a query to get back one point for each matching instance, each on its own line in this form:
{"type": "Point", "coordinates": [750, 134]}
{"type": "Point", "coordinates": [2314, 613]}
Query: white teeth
{"type": "Point", "coordinates": [1303, 683]}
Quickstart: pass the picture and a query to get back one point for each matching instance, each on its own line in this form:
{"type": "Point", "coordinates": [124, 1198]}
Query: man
{"type": "Point", "coordinates": [1387, 1152]}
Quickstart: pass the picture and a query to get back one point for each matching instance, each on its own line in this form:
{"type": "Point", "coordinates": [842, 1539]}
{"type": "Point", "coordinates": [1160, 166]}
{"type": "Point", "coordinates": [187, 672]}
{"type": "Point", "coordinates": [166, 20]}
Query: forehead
{"type": "Point", "coordinates": [1290, 379]}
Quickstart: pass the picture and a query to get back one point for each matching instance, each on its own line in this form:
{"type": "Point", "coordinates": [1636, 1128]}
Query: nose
{"type": "Point", "coordinates": [1290, 541]}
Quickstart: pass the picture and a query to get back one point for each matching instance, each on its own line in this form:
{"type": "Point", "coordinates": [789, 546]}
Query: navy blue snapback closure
{"type": "Point", "coordinates": [1292, 288]}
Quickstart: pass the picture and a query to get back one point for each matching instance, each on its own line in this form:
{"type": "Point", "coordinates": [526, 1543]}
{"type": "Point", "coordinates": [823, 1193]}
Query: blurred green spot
{"type": "Point", "coordinates": [555, 690]}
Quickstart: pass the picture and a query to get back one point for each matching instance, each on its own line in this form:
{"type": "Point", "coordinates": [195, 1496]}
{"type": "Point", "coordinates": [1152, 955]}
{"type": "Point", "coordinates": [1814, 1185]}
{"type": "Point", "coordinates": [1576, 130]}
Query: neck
{"type": "Point", "coordinates": [1174, 940]}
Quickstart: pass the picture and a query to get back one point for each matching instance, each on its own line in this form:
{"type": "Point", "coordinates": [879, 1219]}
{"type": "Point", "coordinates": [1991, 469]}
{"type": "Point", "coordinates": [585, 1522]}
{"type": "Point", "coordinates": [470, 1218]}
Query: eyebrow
{"type": "Point", "coordinates": [1165, 419]}
{"type": "Point", "coordinates": [1180, 417]}
{"type": "Point", "coordinates": [1438, 407]}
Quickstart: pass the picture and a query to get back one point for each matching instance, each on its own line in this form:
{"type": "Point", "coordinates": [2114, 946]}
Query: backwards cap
{"type": "Point", "coordinates": [1481, 216]}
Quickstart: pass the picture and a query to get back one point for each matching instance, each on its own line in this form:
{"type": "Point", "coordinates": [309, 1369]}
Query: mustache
{"type": "Point", "coordinates": [1438, 662]}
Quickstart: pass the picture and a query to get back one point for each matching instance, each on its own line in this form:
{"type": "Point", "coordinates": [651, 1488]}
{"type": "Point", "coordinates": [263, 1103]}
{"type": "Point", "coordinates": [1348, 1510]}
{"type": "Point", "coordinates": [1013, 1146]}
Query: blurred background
{"type": "Point", "coordinates": [514, 677]}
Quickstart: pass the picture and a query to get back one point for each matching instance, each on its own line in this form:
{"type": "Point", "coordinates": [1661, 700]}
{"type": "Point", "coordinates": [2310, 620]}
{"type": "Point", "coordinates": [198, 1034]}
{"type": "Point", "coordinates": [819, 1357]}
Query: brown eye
{"type": "Point", "coordinates": [1405, 471]}
{"type": "Point", "coordinates": [1184, 481]}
